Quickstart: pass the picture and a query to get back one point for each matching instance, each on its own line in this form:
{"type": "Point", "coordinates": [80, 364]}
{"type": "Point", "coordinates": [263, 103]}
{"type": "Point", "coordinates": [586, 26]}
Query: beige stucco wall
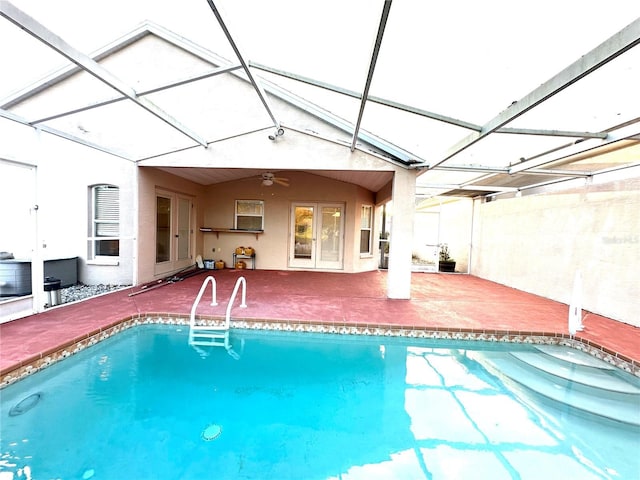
{"type": "Point", "coordinates": [215, 206]}
{"type": "Point", "coordinates": [150, 180]}
{"type": "Point", "coordinates": [272, 246]}
{"type": "Point", "coordinates": [537, 243]}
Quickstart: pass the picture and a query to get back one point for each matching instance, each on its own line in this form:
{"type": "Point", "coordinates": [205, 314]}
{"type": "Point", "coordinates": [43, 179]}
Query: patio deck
{"type": "Point", "coordinates": [457, 303]}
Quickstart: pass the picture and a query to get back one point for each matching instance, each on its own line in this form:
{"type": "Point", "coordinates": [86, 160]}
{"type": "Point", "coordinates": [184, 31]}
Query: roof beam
{"type": "Point", "coordinates": [421, 112]}
{"type": "Point", "coordinates": [619, 43]}
{"type": "Point", "coordinates": [393, 150]}
{"type": "Point", "coordinates": [484, 178]}
{"type": "Point", "coordinates": [488, 188]}
{"type": "Point", "coordinates": [371, 98]}
{"type": "Point", "coordinates": [614, 136]}
{"type": "Point", "coordinates": [144, 29]}
{"type": "Point", "coordinates": [40, 32]}
{"type": "Point", "coordinates": [59, 133]}
{"type": "Point", "coordinates": [471, 168]}
{"type": "Point", "coordinates": [179, 83]}
{"type": "Point", "coordinates": [372, 67]}
{"type": "Point", "coordinates": [453, 186]}
{"type": "Point", "coordinates": [557, 173]}
{"type": "Point", "coordinates": [551, 133]}
{"type": "Point", "coordinates": [257, 87]}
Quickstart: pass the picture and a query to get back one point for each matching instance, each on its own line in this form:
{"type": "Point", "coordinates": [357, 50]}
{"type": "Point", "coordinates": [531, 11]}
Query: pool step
{"type": "Point", "coordinates": [208, 336]}
{"type": "Point", "coordinates": [586, 384]}
{"type": "Point", "coordinates": [589, 374]}
{"type": "Point", "coordinates": [574, 356]}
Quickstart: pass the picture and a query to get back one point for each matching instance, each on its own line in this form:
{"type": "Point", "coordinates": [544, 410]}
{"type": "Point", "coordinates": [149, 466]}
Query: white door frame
{"type": "Point", "coordinates": [179, 251]}
{"type": "Point", "coordinates": [324, 246]}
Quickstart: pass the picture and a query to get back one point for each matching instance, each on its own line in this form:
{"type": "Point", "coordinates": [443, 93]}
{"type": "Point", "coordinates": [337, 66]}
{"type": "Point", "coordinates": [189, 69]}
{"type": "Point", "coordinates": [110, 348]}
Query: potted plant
{"type": "Point", "coordinates": [446, 263]}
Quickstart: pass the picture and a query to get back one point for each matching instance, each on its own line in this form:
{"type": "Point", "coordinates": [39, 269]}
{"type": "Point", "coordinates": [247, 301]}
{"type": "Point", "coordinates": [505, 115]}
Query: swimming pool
{"type": "Point", "coordinates": [143, 404]}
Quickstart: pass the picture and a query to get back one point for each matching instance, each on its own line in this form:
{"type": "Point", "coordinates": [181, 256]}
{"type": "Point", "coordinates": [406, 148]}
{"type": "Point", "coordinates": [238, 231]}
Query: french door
{"type": "Point", "coordinates": [174, 232]}
{"type": "Point", "coordinates": [317, 235]}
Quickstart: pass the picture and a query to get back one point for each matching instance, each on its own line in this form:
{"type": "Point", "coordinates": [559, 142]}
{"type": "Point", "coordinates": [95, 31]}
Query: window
{"type": "Point", "coordinates": [105, 221]}
{"type": "Point", "coordinates": [249, 215]}
{"type": "Point", "coordinates": [366, 226]}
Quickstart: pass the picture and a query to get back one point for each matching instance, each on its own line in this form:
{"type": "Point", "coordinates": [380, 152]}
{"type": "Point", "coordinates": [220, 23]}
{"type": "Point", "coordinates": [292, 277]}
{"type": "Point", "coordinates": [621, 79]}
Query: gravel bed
{"type": "Point", "coordinates": [80, 291]}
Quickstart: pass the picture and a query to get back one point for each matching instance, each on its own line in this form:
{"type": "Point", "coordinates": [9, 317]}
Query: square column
{"type": "Point", "coordinates": [401, 234]}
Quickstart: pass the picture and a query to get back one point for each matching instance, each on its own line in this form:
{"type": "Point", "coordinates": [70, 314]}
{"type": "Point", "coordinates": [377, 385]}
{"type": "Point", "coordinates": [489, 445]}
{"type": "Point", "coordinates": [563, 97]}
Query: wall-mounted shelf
{"type": "Point", "coordinates": [218, 231]}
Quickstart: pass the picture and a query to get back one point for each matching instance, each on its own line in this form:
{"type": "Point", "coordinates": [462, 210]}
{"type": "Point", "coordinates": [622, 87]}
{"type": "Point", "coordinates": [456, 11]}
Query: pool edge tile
{"type": "Point", "coordinates": [53, 355]}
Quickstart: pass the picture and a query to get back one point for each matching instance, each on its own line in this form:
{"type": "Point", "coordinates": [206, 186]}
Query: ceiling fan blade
{"type": "Point", "coordinates": [281, 181]}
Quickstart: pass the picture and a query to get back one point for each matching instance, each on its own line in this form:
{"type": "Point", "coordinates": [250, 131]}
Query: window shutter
{"type": "Point", "coordinates": [107, 211]}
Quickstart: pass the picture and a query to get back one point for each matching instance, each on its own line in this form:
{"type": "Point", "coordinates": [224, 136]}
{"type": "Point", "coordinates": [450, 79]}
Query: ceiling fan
{"type": "Point", "coordinates": [269, 179]}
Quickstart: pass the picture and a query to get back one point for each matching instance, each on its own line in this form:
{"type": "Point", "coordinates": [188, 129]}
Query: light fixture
{"type": "Point", "coordinates": [269, 179]}
{"type": "Point", "coordinates": [278, 132]}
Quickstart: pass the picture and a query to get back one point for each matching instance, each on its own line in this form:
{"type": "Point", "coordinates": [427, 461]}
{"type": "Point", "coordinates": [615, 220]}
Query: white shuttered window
{"type": "Point", "coordinates": [105, 221]}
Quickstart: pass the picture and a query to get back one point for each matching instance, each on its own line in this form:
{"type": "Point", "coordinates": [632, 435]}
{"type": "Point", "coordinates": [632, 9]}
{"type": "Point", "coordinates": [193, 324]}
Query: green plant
{"type": "Point", "coordinates": [384, 237]}
{"type": "Point", "coordinates": [444, 253]}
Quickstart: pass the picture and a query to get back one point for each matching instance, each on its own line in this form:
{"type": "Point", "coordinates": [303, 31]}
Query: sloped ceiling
{"type": "Point", "coordinates": [373, 181]}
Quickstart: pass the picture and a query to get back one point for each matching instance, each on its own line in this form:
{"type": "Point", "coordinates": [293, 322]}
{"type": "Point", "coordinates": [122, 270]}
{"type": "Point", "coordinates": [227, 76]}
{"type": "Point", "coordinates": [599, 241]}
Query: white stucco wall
{"type": "Point", "coordinates": [445, 220]}
{"type": "Point", "coordinates": [401, 235]}
{"type": "Point", "coordinates": [537, 243]}
{"type": "Point", "coordinates": [63, 173]}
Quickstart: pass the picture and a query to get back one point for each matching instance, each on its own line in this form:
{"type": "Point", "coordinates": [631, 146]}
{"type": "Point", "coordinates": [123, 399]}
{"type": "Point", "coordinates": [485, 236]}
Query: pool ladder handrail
{"type": "Point", "coordinates": [214, 334]}
{"type": "Point", "coordinates": [243, 282]}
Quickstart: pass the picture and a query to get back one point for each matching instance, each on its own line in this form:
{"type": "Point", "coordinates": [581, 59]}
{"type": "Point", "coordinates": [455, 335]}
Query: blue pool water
{"type": "Point", "coordinates": [145, 405]}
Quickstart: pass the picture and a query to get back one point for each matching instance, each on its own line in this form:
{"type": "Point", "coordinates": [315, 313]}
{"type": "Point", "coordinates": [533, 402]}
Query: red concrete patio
{"type": "Point", "coordinates": [448, 302]}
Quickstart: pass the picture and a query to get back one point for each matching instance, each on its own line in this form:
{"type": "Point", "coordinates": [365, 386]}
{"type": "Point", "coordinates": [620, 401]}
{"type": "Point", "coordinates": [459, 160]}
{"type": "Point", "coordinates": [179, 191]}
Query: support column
{"type": "Point", "coordinates": [401, 235]}
{"type": "Point", "coordinates": [38, 245]}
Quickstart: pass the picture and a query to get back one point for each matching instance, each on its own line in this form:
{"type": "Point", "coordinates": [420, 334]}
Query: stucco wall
{"type": "Point", "coordinates": [150, 181]}
{"type": "Point", "coordinates": [446, 221]}
{"type": "Point", "coordinates": [272, 245]}
{"type": "Point", "coordinates": [215, 206]}
{"type": "Point", "coordinates": [537, 243]}
{"type": "Point", "coordinates": [455, 230]}
{"type": "Point", "coordinates": [64, 172]}
{"type": "Point", "coordinates": [67, 172]}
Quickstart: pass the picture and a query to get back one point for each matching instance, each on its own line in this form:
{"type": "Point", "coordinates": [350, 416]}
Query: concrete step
{"type": "Point", "coordinates": [587, 375]}
{"type": "Point", "coordinates": [598, 396]}
{"type": "Point", "coordinates": [572, 355]}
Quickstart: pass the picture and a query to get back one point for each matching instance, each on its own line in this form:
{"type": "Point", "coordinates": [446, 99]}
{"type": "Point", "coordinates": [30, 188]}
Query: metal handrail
{"type": "Point", "coordinates": [243, 282]}
{"type": "Point", "coordinates": [214, 333]}
{"type": "Point", "coordinates": [192, 319]}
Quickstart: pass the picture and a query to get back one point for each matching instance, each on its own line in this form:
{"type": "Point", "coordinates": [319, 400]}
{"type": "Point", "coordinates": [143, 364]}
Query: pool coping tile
{"type": "Point", "coordinates": [52, 355]}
